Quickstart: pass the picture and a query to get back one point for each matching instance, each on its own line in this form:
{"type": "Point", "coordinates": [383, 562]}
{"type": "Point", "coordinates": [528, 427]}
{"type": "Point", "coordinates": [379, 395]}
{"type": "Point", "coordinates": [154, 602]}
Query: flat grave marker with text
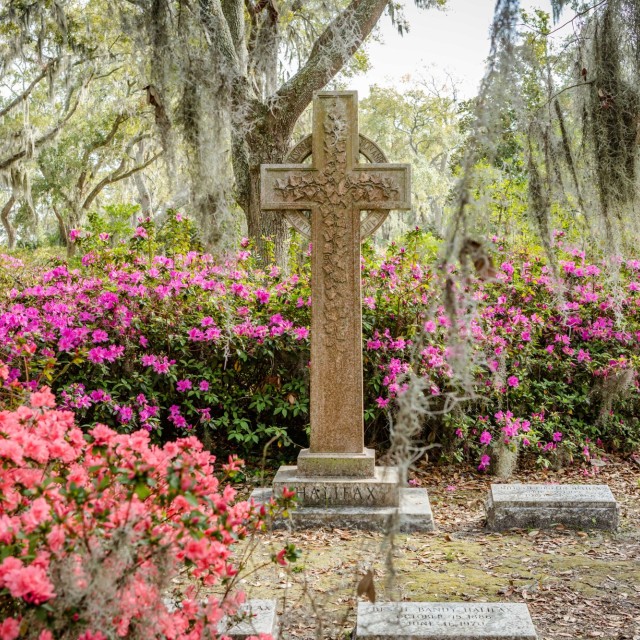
{"type": "Point", "coordinates": [581, 506]}
{"type": "Point", "coordinates": [254, 617]}
{"type": "Point", "coordinates": [444, 621]}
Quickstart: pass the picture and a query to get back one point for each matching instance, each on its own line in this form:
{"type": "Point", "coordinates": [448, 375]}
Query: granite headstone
{"type": "Point", "coordinates": [538, 506]}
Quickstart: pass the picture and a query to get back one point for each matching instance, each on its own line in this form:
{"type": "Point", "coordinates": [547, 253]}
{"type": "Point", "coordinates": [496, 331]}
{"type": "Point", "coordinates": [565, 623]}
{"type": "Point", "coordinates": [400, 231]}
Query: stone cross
{"type": "Point", "coordinates": [335, 188]}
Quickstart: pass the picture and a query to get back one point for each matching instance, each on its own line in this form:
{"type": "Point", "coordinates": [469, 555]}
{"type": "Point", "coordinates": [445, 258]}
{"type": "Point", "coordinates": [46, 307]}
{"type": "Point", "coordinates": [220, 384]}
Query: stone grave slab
{"type": "Point", "coordinates": [254, 617]}
{"type": "Point", "coordinates": [357, 465]}
{"type": "Point", "coordinates": [444, 621]}
{"type": "Point", "coordinates": [412, 513]}
{"type": "Point", "coordinates": [538, 506]}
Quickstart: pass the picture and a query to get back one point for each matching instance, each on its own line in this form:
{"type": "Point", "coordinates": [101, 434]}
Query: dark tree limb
{"type": "Point", "coordinates": [144, 195]}
{"type": "Point", "coordinates": [329, 55]}
{"type": "Point", "coordinates": [219, 34]}
{"type": "Point", "coordinates": [220, 40]}
{"type": "Point", "coordinates": [6, 223]}
{"type": "Point", "coordinates": [117, 175]}
{"type": "Point", "coordinates": [43, 139]}
{"type": "Point", "coordinates": [233, 11]}
{"type": "Point", "coordinates": [99, 143]}
{"type": "Point", "coordinates": [62, 227]}
{"type": "Point", "coordinates": [25, 94]}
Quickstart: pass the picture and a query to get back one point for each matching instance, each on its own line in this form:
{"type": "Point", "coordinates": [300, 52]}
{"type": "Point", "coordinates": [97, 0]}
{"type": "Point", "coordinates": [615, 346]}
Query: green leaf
{"type": "Point", "coordinates": [191, 499]}
{"type": "Point", "coordinates": [142, 491]}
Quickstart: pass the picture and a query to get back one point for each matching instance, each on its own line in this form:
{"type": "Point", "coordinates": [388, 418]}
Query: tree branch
{"type": "Point", "coordinates": [233, 11]}
{"type": "Point", "coordinates": [25, 94]}
{"type": "Point", "coordinates": [331, 51]}
{"type": "Point", "coordinates": [99, 143]}
{"type": "Point", "coordinates": [8, 227]}
{"type": "Point", "coordinates": [220, 39]}
{"type": "Point", "coordinates": [49, 135]}
{"type": "Point", "coordinates": [219, 34]}
{"type": "Point", "coordinates": [64, 232]}
{"type": "Point", "coordinates": [116, 176]}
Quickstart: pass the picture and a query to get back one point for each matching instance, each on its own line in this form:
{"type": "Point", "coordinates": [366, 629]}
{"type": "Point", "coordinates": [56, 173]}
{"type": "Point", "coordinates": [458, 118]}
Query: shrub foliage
{"type": "Point", "coordinates": [187, 345]}
{"type": "Point", "coordinates": [95, 525]}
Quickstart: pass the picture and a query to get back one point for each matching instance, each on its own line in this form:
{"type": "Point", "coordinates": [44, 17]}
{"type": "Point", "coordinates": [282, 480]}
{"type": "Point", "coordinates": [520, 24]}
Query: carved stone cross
{"type": "Point", "coordinates": [336, 188]}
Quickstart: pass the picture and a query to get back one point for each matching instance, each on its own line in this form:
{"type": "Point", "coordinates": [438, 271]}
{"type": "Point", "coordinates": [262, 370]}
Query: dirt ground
{"type": "Point", "coordinates": [576, 584]}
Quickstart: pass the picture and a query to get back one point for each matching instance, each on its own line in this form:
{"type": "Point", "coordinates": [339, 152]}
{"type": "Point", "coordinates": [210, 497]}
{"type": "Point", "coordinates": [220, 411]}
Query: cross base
{"type": "Point", "coordinates": [344, 465]}
{"type": "Point", "coordinates": [411, 514]}
{"type": "Point", "coordinates": [374, 502]}
{"type": "Point", "coordinates": [379, 491]}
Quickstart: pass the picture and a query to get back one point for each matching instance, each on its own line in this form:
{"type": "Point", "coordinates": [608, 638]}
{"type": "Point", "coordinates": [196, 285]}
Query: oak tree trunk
{"type": "Point", "coordinates": [270, 114]}
{"type": "Point", "coordinates": [265, 144]}
{"type": "Point", "coordinates": [6, 223]}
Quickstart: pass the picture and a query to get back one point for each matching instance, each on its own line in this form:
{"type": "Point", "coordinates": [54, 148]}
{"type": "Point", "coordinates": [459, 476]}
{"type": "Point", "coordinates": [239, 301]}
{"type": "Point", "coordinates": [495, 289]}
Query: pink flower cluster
{"type": "Point", "coordinates": [177, 330]}
{"type": "Point", "coordinates": [532, 344]}
{"type": "Point", "coordinates": [95, 526]}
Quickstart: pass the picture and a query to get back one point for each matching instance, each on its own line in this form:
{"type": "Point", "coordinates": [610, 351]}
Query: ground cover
{"type": "Point", "coordinates": [577, 584]}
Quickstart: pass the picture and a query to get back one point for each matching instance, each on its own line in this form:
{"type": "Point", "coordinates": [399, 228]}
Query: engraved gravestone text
{"type": "Point", "coordinates": [567, 492]}
{"type": "Point", "coordinates": [429, 618]}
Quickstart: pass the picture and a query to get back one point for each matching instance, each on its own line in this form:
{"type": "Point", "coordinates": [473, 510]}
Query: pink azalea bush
{"type": "Point", "coordinates": [557, 374]}
{"type": "Point", "coordinates": [170, 345]}
{"type": "Point", "coordinates": [94, 525]}
{"type": "Point", "coordinates": [185, 344]}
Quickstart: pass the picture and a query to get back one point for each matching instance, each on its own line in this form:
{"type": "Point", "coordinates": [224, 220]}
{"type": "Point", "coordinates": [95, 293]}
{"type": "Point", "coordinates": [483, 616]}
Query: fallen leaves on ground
{"type": "Point", "coordinates": [576, 584]}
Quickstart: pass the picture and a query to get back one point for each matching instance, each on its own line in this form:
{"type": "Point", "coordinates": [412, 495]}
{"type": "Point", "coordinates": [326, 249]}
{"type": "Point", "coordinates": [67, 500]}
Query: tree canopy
{"type": "Point", "coordinates": [175, 104]}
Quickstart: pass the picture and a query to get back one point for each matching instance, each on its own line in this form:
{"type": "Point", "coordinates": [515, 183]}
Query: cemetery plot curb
{"type": "Point", "coordinates": [540, 506]}
{"type": "Point", "coordinates": [444, 621]}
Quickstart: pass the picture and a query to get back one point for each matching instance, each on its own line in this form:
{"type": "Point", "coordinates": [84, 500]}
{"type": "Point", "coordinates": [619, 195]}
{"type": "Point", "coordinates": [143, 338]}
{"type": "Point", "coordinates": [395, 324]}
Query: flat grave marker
{"type": "Point", "coordinates": [444, 621]}
{"type": "Point", "coordinates": [538, 506]}
{"type": "Point", "coordinates": [260, 616]}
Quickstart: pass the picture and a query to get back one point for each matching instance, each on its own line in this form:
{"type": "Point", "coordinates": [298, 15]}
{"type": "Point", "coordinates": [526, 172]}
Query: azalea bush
{"type": "Point", "coordinates": [94, 525]}
{"type": "Point", "coordinates": [174, 346]}
{"type": "Point", "coordinates": [558, 374]}
{"type": "Point", "coordinates": [185, 344]}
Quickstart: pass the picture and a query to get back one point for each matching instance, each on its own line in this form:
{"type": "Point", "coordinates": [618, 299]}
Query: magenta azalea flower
{"type": "Point", "coordinates": [99, 336]}
{"type": "Point", "coordinates": [484, 462]}
{"type": "Point", "coordinates": [183, 385]}
{"type": "Point", "coordinates": [262, 296]}
{"type": "Point", "coordinates": [513, 381]}
{"type": "Point", "coordinates": [301, 333]}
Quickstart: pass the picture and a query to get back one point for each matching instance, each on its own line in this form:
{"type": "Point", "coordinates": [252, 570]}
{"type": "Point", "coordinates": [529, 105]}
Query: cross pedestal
{"type": "Point", "coordinates": [337, 471]}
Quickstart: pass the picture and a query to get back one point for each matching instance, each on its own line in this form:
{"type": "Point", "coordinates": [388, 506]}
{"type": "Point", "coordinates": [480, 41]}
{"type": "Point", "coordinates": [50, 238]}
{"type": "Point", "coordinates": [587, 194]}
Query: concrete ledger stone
{"type": "Point", "coordinates": [412, 514]}
{"type": "Point", "coordinates": [544, 505]}
{"type": "Point", "coordinates": [356, 465]}
{"type": "Point", "coordinates": [444, 621]}
{"type": "Point", "coordinates": [253, 618]}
